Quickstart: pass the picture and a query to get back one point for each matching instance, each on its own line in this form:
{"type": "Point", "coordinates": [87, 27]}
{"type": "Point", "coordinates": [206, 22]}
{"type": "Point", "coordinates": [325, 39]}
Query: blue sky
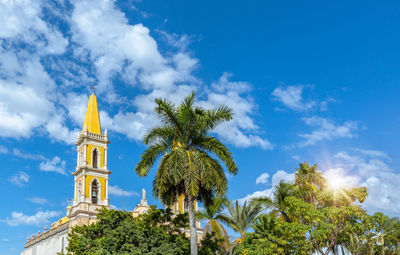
{"type": "Point", "coordinates": [309, 81]}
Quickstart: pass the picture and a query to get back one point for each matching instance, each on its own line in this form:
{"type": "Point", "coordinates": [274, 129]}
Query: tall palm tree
{"type": "Point", "coordinates": [240, 217]}
{"type": "Point", "coordinates": [212, 214]}
{"type": "Point", "coordinates": [189, 155]}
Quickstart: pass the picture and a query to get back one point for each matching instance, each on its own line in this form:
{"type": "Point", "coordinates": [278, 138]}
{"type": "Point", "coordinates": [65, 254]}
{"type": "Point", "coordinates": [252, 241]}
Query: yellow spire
{"type": "Point", "coordinates": [92, 119]}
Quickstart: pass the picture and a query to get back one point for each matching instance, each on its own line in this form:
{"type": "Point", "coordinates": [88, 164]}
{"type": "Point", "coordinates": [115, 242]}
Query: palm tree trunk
{"type": "Point", "coordinates": [342, 249]}
{"type": "Point", "coordinates": [192, 225]}
{"type": "Point", "coordinates": [383, 245]}
{"type": "Point", "coordinates": [336, 249]}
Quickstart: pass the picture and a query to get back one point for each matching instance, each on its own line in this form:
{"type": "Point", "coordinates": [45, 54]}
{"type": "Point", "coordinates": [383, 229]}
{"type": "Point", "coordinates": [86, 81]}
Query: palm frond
{"type": "Point", "coordinates": [159, 133]}
{"type": "Point", "coordinates": [168, 114]}
{"type": "Point", "coordinates": [148, 158]}
{"type": "Point", "coordinates": [213, 145]}
{"type": "Point", "coordinates": [264, 201]}
{"type": "Point", "coordinates": [217, 116]}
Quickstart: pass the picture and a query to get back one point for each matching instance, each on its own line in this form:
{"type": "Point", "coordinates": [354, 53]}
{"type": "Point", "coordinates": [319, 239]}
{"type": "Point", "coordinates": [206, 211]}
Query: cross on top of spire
{"type": "Point", "coordinates": [93, 89]}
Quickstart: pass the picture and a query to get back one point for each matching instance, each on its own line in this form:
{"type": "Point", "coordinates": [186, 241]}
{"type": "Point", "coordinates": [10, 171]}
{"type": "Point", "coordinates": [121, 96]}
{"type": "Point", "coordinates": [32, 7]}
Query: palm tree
{"type": "Point", "coordinates": [277, 202]}
{"type": "Point", "coordinates": [212, 215]}
{"type": "Point", "coordinates": [309, 181]}
{"type": "Point", "coordinates": [189, 155]}
{"type": "Point", "coordinates": [240, 217]}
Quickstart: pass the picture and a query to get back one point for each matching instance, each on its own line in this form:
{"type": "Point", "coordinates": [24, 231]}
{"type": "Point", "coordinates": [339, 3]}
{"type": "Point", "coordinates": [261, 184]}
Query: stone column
{"type": "Point", "coordinates": [105, 158]}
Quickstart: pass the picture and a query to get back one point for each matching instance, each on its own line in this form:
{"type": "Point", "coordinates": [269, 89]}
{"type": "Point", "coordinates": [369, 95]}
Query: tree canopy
{"type": "Point", "coordinates": [117, 232]}
{"type": "Point", "coordinates": [309, 217]}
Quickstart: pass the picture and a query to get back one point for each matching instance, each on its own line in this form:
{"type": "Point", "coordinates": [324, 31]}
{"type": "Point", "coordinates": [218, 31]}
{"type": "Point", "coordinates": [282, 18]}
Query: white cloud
{"type": "Point", "coordinates": [113, 44]}
{"type": "Point", "coordinates": [263, 178]}
{"type": "Point", "coordinates": [175, 40]}
{"type": "Point", "coordinates": [117, 191]}
{"type": "Point", "coordinates": [326, 129]}
{"type": "Point", "coordinates": [26, 155]}
{"type": "Point", "coordinates": [370, 169]}
{"type": "Point", "coordinates": [103, 46]}
{"type": "Point", "coordinates": [296, 157]}
{"type": "Point", "coordinates": [279, 176]}
{"type": "Point", "coordinates": [133, 125]}
{"type": "Point", "coordinates": [58, 131]}
{"type": "Point", "coordinates": [22, 109]}
{"type": "Point", "coordinates": [339, 178]}
{"type": "Point", "coordinates": [373, 153]}
{"type": "Point", "coordinates": [22, 20]}
{"type": "Point", "coordinates": [291, 97]}
{"type": "Point", "coordinates": [242, 129]}
{"type": "Point", "coordinates": [53, 165]}
{"type": "Point", "coordinates": [38, 219]}
{"type": "Point", "coordinates": [38, 200]}
{"type": "Point", "coordinates": [28, 96]}
{"type": "Point", "coordinates": [17, 153]}
{"type": "Point", "coordinates": [119, 48]}
{"type": "Point", "coordinates": [20, 179]}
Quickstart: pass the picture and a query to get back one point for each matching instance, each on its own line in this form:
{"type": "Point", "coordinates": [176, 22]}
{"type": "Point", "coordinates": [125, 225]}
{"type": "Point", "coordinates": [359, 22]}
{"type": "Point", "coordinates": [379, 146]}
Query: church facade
{"type": "Point", "coordinates": [91, 177]}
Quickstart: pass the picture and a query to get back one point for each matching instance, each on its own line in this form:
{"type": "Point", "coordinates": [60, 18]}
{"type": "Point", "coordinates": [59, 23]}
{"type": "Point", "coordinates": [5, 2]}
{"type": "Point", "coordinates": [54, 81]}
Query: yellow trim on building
{"type": "Point", "coordinates": [89, 154]}
{"type": "Point", "coordinates": [102, 181]}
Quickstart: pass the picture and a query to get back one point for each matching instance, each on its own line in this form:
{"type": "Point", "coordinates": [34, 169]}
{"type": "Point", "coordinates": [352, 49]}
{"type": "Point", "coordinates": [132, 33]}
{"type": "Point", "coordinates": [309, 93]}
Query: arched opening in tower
{"type": "Point", "coordinates": [95, 192]}
{"type": "Point", "coordinates": [94, 158]}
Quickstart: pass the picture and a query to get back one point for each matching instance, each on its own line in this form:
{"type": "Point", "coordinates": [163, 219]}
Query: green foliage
{"type": "Point", "coordinates": [154, 233]}
{"type": "Point", "coordinates": [241, 217]}
{"type": "Point", "coordinates": [214, 228]}
{"type": "Point", "coordinates": [117, 232]}
{"type": "Point", "coordinates": [272, 235]}
{"type": "Point", "coordinates": [377, 234]}
{"type": "Point", "coordinates": [277, 203]}
{"type": "Point", "coordinates": [211, 245]}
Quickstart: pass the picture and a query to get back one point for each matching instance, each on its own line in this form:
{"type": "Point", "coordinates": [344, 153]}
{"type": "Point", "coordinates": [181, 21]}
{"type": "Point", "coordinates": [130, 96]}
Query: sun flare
{"type": "Point", "coordinates": [336, 180]}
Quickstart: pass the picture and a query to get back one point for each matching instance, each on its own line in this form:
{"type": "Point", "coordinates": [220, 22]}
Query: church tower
{"type": "Point", "coordinates": [91, 173]}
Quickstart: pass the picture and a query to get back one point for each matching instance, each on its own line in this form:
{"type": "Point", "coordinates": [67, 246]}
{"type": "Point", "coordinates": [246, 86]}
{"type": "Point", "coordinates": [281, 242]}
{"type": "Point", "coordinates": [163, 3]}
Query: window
{"type": "Point", "coordinates": [95, 191]}
{"type": "Point", "coordinates": [94, 161]}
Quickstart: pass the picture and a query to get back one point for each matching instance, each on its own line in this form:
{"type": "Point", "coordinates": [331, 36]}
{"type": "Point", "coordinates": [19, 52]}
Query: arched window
{"type": "Point", "coordinates": [95, 191]}
{"type": "Point", "coordinates": [94, 160]}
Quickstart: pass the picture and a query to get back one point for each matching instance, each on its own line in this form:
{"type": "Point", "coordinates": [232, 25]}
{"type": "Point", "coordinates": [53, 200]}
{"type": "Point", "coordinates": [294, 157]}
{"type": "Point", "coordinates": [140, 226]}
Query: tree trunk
{"type": "Point", "coordinates": [336, 249]}
{"type": "Point", "coordinates": [192, 225]}
{"type": "Point", "coordinates": [342, 249]}
{"type": "Point", "coordinates": [383, 245]}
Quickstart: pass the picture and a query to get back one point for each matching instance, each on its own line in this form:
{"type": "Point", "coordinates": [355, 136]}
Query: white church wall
{"type": "Point", "coordinates": [49, 245]}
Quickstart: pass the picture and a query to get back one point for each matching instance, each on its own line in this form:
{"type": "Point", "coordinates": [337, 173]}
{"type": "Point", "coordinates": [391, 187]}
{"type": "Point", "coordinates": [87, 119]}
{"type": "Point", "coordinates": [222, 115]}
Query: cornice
{"type": "Point", "coordinates": [90, 169]}
{"type": "Point", "coordinates": [93, 137]}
